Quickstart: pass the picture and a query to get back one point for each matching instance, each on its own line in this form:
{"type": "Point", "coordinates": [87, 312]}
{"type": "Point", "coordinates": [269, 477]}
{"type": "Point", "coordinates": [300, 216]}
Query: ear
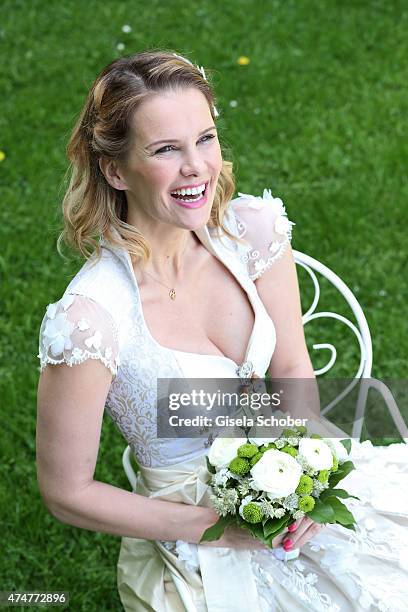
{"type": "Point", "coordinates": [112, 174]}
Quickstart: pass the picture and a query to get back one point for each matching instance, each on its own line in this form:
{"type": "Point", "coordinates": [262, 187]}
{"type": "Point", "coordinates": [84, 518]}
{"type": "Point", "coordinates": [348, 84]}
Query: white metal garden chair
{"type": "Point", "coordinates": [362, 333]}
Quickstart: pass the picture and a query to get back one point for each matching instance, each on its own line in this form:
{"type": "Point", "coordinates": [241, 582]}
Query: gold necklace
{"type": "Point", "coordinates": [172, 291]}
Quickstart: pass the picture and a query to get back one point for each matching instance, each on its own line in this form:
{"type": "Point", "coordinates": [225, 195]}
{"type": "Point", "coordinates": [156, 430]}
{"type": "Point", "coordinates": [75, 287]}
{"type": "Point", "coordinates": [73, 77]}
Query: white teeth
{"type": "Point", "coordinates": [193, 191]}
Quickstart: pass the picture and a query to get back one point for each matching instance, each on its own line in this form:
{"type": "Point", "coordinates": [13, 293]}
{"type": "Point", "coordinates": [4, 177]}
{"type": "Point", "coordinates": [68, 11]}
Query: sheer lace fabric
{"type": "Point", "coordinates": [263, 222]}
{"type": "Point", "coordinates": [75, 329]}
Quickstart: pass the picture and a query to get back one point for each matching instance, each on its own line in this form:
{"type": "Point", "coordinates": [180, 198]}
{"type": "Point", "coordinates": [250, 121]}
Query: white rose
{"type": "Point", "coordinates": [223, 451]}
{"type": "Point", "coordinates": [316, 452]}
{"type": "Point", "coordinates": [337, 448]}
{"type": "Point", "coordinates": [276, 473]}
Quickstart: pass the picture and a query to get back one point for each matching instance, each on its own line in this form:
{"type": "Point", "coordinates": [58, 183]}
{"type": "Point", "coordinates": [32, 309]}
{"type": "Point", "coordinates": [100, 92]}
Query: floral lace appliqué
{"type": "Point", "coordinates": [268, 233]}
{"type": "Point", "coordinates": [68, 338]}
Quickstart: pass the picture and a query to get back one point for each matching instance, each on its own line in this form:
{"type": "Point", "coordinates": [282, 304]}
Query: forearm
{"type": "Point", "coordinates": [301, 392]}
{"type": "Point", "coordinates": [104, 508]}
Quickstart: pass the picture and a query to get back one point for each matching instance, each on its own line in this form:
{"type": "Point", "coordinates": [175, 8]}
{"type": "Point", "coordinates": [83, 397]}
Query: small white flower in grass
{"type": "Point", "coordinates": [126, 29]}
{"type": "Point", "coordinates": [57, 334]}
{"type": "Point", "coordinates": [317, 453]}
{"type": "Point", "coordinates": [94, 341]}
{"type": "Point", "coordinates": [120, 46]}
{"type": "Point", "coordinates": [233, 103]}
{"type": "Point", "coordinates": [276, 473]}
{"type": "Point", "coordinates": [83, 325]}
{"type": "Point", "coordinates": [223, 451]}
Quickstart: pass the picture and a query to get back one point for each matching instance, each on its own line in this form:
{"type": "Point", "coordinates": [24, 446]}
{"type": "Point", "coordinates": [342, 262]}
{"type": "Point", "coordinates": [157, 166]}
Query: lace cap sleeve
{"type": "Point", "coordinates": [262, 221]}
{"type": "Point", "coordinates": [77, 328]}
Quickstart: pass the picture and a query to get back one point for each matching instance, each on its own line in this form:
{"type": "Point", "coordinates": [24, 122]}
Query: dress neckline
{"type": "Point", "coordinates": [205, 238]}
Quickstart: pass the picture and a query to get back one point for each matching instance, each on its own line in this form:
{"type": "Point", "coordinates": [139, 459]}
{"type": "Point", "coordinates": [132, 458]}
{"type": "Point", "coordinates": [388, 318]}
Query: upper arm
{"type": "Point", "coordinates": [264, 224]}
{"type": "Point", "coordinates": [278, 289]}
{"type": "Point", "coordinates": [79, 356]}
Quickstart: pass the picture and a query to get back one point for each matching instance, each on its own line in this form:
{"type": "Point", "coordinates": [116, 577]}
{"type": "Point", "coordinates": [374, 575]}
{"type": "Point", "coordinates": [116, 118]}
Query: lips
{"type": "Point", "coordinates": [195, 204]}
{"type": "Point", "coordinates": [206, 183]}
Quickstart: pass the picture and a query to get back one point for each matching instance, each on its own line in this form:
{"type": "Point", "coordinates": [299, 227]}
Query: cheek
{"type": "Point", "coordinates": [158, 178]}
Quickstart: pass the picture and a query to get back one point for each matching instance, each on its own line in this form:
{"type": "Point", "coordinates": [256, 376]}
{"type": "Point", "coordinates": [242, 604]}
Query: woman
{"type": "Point", "coordinates": [170, 291]}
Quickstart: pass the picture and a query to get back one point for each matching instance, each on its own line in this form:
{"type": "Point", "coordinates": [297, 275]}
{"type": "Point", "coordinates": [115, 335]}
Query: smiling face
{"type": "Point", "coordinates": [188, 154]}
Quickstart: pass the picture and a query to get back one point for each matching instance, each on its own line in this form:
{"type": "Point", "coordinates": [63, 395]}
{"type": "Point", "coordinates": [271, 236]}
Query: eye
{"type": "Point", "coordinates": [205, 138]}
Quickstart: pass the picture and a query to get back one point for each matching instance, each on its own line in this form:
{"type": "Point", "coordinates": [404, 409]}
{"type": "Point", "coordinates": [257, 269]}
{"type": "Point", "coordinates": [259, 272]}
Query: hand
{"type": "Point", "coordinates": [300, 533]}
{"type": "Point", "coordinates": [242, 539]}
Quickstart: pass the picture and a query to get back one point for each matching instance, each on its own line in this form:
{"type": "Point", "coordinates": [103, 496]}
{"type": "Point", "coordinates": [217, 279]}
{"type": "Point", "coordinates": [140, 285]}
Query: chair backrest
{"type": "Point", "coordinates": [362, 333]}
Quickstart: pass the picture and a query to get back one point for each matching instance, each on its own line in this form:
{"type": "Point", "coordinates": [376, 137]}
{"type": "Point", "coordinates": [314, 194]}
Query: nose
{"type": "Point", "coordinates": [193, 163]}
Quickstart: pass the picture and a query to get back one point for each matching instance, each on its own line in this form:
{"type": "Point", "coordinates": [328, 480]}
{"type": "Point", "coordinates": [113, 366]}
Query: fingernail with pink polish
{"type": "Point", "coordinates": [292, 527]}
{"type": "Point", "coordinates": [287, 544]}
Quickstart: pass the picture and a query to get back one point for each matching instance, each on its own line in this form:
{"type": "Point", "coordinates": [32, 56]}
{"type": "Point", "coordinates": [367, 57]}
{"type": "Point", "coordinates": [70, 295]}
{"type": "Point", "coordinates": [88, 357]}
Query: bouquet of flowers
{"type": "Point", "coordinates": [265, 484]}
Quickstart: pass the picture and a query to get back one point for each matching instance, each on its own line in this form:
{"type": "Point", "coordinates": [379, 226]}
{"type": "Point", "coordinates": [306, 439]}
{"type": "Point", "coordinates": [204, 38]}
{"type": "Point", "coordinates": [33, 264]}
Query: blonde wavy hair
{"type": "Point", "coordinates": [91, 207]}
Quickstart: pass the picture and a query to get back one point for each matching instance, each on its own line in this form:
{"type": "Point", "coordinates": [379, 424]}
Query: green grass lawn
{"type": "Point", "coordinates": [319, 118]}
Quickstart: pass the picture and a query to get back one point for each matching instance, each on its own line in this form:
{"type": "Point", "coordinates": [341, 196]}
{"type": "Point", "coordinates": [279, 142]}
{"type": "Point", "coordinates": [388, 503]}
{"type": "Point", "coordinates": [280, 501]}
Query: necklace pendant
{"type": "Point", "coordinates": [172, 294]}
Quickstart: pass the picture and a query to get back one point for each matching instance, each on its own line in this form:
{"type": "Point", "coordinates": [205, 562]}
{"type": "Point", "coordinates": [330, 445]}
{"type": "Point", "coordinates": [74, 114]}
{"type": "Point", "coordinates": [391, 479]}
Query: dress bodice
{"type": "Point", "coordinates": [91, 322]}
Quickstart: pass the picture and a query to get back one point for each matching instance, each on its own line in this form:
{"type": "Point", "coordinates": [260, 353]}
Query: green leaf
{"type": "Point", "coordinates": [341, 514]}
{"type": "Point", "coordinates": [349, 527]}
{"type": "Point", "coordinates": [273, 526]}
{"type": "Point", "coordinates": [343, 469]}
{"type": "Point", "coordinates": [322, 512]}
{"type": "Point", "coordinates": [210, 467]}
{"type": "Point", "coordinates": [347, 444]}
{"type": "Point", "coordinates": [336, 493]}
{"type": "Point", "coordinates": [216, 531]}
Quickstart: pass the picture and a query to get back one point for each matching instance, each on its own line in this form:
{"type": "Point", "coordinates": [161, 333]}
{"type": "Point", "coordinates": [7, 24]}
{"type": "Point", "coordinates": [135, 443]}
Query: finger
{"type": "Point", "coordinates": [295, 536]}
{"type": "Point", "coordinates": [277, 540]}
{"type": "Point", "coordinates": [312, 531]}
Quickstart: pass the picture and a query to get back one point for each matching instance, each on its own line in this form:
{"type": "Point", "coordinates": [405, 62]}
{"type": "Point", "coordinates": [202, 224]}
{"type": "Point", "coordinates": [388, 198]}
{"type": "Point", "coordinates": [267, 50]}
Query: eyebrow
{"type": "Point", "coordinates": [213, 127]}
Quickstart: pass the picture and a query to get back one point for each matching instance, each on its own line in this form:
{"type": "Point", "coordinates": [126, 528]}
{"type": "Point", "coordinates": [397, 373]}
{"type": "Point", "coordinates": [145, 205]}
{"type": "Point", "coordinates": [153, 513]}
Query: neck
{"type": "Point", "coordinates": [168, 252]}
{"type": "Point", "coordinates": [169, 247]}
